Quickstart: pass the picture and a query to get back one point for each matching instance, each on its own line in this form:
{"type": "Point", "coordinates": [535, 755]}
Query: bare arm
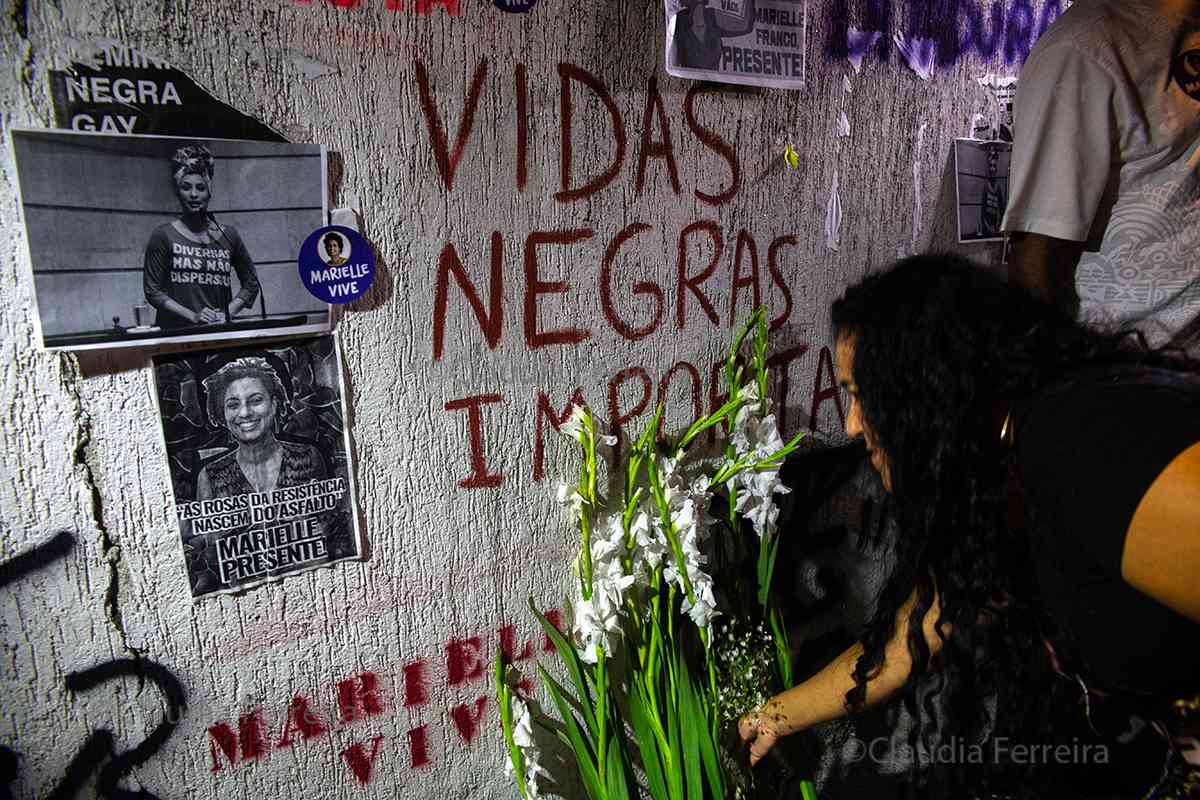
{"type": "Point", "coordinates": [1162, 547]}
{"type": "Point", "coordinates": [243, 264]}
{"type": "Point", "coordinates": [1045, 268]}
{"type": "Point", "coordinates": [203, 485]}
{"type": "Point", "coordinates": [823, 696]}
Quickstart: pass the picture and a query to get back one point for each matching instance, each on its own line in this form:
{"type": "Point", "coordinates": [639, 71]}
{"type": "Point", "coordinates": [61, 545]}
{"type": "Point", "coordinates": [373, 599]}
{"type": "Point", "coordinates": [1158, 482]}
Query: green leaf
{"type": "Point", "coordinates": [504, 700]}
{"type": "Point", "coordinates": [700, 751]}
{"type": "Point", "coordinates": [575, 667]}
{"type": "Point", "coordinates": [783, 652]}
{"type": "Point", "coordinates": [806, 789]}
{"type": "Point", "coordinates": [617, 783]}
{"type": "Point", "coordinates": [649, 743]}
{"type": "Point", "coordinates": [768, 549]}
{"type": "Point", "coordinates": [678, 765]}
{"type": "Point", "coordinates": [692, 725]}
{"type": "Point", "coordinates": [581, 746]}
{"type": "Point", "coordinates": [712, 764]}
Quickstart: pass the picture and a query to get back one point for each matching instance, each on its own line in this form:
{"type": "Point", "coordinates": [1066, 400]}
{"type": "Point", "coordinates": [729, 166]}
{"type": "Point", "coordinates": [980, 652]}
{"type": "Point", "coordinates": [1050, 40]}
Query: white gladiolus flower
{"type": "Point", "coordinates": [523, 726]}
{"type": "Point", "coordinates": [688, 520]}
{"type": "Point", "coordinates": [756, 438]}
{"type": "Point", "coordinates": [523, 738]}
{"type": "Point", "coordinates": [598, 620]}
{"type": "Point", "coordinates": [569, 496]}
{"type": "Point", "coordinates": [573, 426]}
{"type": "Point", "coordinates": [651, 544]}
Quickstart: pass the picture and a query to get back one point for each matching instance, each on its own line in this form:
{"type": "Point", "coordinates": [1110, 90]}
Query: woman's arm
{"type": "Point", "coordinates": [1162, 546]}
{"type": "Point", "coordinates": [1045, 268]}
{"type": "Point", "coordinates": [823, 696]}
{"type": "Point", "coordinates": [203, 485]}
{"type": "Point", "coordinates": [243, 264]}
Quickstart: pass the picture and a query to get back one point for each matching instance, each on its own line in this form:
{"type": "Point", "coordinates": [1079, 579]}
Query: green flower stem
{"type": "Point", "coordinates": [736, 347]}
{"type": "Point", "coordinates": [602, 716]}
{"type": "Point", "coordinates": [671, 635]}
{"type": "Point", "coordinates": [504, 700]}
{"type": "Point", "coordinates": [664, 513]}
{"type": "Point", "coordinates": [587, 488]}
{"type": "Point", "coordinates": [783, 656]}
{"type": "Point", "coordinates": [651, 666]}
{"type": "Point", "coordinates": [585, 556]}
{"type": "Point", "coordinates": [760, 358]}
{"type": "Point", "coordinates": [727, 411]}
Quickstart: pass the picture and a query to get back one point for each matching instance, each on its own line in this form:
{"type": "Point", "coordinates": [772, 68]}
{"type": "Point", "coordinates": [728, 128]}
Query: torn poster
{"type": "Point", "coordinates": [981, 185]}
{"type": "Point", "coordinates": [920, 54]}
{"type": "Point", "coordinates": [751, 42]}
{"type": "Point", "coordinates": [833, 216]}
{"type": "Point", "coordinates": [916, 173]}
{"type": "Point", "coordinates": [120, 90]}
{"type": "Point", "coordinates": [259, 459]}
{"type": "Point", "coordinates": [135, 240]}
{"type": "Point", "coordinates": [1003, 89]}
{"type": "Point", "coordinates": [857, 44]}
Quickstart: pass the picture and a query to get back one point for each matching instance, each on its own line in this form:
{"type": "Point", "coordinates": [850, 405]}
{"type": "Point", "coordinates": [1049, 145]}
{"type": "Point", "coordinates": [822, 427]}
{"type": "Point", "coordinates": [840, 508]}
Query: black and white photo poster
{"type": "Point", "coordinates": [259, 459]}
{"type": "Point", "coordinates": [750, 42]}
{"type": "Point", "coordinates": [981, 182]}
{"type": "Point", "coordinates": [135, 240]}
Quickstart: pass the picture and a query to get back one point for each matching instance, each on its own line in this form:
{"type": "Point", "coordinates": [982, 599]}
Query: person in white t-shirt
{"type": "Point", "coordinates": [1104, 203]}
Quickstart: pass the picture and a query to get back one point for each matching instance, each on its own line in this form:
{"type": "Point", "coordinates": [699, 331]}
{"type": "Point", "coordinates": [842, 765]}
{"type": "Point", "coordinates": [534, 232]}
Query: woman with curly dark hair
{"type": "Point", "coordinates": [247, 398]}
{"type": "Point", "coordinates": [1047, 483]}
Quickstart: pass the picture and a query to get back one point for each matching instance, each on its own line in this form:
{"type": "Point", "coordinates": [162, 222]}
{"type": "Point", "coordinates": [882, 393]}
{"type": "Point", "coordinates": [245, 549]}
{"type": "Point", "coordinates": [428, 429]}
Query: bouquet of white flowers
{"type": "Point", "coordinates": [653, 686]}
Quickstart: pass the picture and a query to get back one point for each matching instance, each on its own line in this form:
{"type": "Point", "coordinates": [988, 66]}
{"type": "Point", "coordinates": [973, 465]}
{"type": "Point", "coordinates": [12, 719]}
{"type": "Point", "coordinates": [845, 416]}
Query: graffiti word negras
{"type": "Point", "coordinates": [986, 29]}
{"type": "Point", "coordinates": [635, 310]}
{"type": "Point", "coordinates": [369, 696]}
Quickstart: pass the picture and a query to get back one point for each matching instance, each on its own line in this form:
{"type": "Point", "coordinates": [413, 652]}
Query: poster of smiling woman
{"type": "Point", "coordinates": [259, 458]}
{"type": "Point", "coordinates": [138, 239]}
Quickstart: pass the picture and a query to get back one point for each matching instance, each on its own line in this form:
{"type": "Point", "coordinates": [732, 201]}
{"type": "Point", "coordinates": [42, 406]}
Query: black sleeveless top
{"type": "Point", "coordinates": [1088, 449]}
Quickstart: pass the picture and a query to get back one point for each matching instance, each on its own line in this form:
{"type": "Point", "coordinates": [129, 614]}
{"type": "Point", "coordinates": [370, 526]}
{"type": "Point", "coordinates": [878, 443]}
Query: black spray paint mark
{"type": "Point", "coordinates": [99, 747]}
{"type": "Point", "coordinates": [44, 554]}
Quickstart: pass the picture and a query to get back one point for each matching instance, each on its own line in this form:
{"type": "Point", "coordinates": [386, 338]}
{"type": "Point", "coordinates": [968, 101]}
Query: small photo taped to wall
{"type": "Point", "coordinates": [981, 181]}
{"type": "Point", "coordinates": [140, 240]}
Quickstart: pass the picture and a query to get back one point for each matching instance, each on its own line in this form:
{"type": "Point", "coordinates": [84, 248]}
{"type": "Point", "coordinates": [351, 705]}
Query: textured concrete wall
{"type": "Point", "coordinates": [462, 529]}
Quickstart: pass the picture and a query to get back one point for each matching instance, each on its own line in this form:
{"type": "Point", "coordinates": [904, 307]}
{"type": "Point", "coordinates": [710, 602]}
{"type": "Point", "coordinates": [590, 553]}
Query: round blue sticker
{"type": "Point", "coordinates": [515, 6]}
{"type": "Point", "coordinates": [336, 264]}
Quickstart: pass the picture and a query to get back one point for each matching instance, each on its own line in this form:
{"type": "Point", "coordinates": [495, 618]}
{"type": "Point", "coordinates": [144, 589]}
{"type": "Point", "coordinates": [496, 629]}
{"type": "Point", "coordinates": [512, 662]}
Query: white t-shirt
{"type": "Point", "coordinates": [1106, 128]}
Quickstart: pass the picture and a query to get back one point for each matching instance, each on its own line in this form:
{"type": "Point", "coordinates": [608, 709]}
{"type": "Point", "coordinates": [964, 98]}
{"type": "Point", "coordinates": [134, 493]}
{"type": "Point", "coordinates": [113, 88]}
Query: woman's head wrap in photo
{"type": "Point", "coordinates": [192, 159]}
